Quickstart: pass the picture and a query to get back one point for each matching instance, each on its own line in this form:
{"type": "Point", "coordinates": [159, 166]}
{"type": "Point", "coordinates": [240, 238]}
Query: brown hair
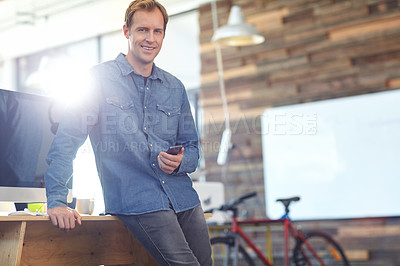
{"type": "Point", "coordinates": [148, 5]}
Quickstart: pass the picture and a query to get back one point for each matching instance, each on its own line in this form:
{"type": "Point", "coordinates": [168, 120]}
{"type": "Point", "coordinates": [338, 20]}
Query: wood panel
{"type": "Point", "coordinates": [11, 240]}
{"type": "Point", "coordinates": [314, 50]}
{"type": "Point", "coordinates": [81, 246]}
{"type": "Point", "coordinates": [100, 240]}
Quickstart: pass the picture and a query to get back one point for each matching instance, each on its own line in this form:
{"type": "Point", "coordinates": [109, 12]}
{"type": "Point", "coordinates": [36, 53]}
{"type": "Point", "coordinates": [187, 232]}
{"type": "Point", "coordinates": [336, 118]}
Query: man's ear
{"type": "Point", "coordinates": [126, 31]}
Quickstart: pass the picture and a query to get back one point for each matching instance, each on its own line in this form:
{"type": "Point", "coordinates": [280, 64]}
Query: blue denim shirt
{"type": "Point", "coordinates": [127, 133]}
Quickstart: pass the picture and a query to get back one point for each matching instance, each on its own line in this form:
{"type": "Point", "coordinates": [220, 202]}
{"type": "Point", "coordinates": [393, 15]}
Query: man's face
{"type": "Point", "coordinates": [145, 35]}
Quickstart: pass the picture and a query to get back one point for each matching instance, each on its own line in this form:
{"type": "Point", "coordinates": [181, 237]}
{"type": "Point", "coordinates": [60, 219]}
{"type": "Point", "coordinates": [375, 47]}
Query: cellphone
{"type": "Point", "coordinates": [174, 150]}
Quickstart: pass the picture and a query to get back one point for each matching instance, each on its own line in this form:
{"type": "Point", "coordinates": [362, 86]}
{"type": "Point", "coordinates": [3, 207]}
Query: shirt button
{"type": "Point", "coordinates": [145, 128]}
{"type": "Point", "coordinates": [154, 164]}
{"type": "Point", "coordinates": [163, 182]}
{"type": "Point", "coordinates": [147, 88]}
{"type": "Point", "coordinates": [141, 88]}
{"type": "Point", "coordinates": [151, 145]}
{"type": "Point", "coordinates": [169, 113]}
{"type": "Point", "coordinates": [145, 107]}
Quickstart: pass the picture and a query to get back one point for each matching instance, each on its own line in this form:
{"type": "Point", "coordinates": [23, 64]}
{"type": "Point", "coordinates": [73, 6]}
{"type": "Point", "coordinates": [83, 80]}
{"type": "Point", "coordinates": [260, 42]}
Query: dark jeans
{"type": "Point", "coordinates": [173, 238]}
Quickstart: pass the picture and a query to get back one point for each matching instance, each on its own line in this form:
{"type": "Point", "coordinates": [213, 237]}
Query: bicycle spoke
{"type": "Point", "coordinates": [225, 253]}
{"type": "Point", "coordinates": [327, 250]}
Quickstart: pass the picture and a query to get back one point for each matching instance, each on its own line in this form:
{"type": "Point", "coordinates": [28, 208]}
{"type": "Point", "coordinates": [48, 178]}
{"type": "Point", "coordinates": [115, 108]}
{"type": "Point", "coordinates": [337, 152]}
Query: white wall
{"type": "Point", "coordinates": [180, 54]}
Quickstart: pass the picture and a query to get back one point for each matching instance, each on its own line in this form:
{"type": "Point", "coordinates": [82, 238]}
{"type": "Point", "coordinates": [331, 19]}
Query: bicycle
{"type": "Point", "coordinates": [312, 248]}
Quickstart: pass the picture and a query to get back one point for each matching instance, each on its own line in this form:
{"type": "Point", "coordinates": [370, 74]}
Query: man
{"type": "Point", "coordinates": [134, 113]}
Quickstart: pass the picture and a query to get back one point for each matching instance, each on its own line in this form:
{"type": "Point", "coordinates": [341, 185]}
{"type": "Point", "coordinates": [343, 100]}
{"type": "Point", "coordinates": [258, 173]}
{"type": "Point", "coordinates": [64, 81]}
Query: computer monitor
{"type": "Point", "coordinates": [28, 124]}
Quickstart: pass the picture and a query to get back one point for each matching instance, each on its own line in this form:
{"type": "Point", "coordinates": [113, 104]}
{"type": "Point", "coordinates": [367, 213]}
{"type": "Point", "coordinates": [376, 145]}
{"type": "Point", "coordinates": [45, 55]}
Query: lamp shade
{"type": "Point", "coordinates": [237, 32]}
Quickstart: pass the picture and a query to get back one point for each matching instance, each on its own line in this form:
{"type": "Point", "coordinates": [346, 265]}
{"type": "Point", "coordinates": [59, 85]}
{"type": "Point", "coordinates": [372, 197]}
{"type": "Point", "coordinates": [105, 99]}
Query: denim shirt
{"type": "Point", "coordinates": [127, 133]}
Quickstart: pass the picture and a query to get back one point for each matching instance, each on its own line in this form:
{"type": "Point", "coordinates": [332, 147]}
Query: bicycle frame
{"type": "Point", "coordinates": [289, 230]}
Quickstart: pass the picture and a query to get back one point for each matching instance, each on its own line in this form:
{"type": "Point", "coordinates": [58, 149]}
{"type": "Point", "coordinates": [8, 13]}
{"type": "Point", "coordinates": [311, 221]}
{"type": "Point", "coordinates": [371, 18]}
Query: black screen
{"type": "Point", "coordinates": [28, 124]}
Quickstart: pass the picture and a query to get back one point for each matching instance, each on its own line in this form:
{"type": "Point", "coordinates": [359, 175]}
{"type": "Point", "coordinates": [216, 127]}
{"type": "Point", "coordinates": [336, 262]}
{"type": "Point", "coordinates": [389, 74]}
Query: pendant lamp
{"type": "Point", "coordinates": [237, 32]}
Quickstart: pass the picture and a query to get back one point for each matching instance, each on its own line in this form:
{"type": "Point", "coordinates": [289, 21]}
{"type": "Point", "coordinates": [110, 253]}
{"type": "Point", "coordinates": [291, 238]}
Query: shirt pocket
{"type": "Point", "coordinates": [120, 104]}
{"type": "Point", "coordinates": [167, 121]}
{"type": "Point", "coordinates": [120, 117]}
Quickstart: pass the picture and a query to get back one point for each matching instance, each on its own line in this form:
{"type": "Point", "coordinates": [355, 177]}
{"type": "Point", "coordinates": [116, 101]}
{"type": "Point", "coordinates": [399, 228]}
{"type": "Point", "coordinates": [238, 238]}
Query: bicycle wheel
{"type": "Point", "coordinates": [327, 249]}
{"type": "Point", "coordinates": [223, 252]}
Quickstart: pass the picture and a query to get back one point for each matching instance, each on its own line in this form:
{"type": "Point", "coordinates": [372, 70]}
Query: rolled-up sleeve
{"type": "Point", "coordinates": [188, 137]}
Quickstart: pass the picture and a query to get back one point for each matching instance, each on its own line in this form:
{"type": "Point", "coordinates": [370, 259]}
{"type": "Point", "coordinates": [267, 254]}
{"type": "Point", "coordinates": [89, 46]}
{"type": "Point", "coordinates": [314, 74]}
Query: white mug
{"type": "Point", "coordinates": [85, 206]}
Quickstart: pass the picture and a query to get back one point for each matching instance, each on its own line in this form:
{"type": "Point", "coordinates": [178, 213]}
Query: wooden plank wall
{"type": "Point", "coordinates": [314, 50]}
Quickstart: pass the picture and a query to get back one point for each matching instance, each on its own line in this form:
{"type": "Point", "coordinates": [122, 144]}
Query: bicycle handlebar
{"type": "Point", "coordinates": [247, 196]}
{"type": "Point", "coordinates": [231, 205]}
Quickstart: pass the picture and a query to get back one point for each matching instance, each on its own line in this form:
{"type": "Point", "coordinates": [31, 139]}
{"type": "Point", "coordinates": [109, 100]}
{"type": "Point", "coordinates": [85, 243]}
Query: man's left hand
{"type": "Point", "coordinates": [168, 162]}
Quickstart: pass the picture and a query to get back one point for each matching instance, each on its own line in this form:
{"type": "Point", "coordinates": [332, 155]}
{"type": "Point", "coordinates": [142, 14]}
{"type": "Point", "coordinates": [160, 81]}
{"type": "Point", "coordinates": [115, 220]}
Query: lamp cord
{"type": "Point", "coordinates": [220, 67]}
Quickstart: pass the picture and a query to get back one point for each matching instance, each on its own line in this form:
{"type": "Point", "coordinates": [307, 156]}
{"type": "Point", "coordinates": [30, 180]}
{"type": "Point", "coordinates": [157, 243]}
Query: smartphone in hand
{"type": "Point", "coordinates": [174, 150]}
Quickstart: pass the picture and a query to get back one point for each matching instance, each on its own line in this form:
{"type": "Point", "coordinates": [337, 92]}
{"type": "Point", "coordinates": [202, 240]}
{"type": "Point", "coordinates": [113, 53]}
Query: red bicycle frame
{"type": "Point", "coordinates": [289, 230]}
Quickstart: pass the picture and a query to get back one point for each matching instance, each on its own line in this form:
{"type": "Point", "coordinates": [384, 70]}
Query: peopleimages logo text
{"type": "Point", "coordinates": [289, 124]}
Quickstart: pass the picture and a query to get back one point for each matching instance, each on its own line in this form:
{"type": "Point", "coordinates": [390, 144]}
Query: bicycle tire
{"type": "Point", "coordinates": [220, 245]}
{"type": "Point", "coordinates": [327, 249]}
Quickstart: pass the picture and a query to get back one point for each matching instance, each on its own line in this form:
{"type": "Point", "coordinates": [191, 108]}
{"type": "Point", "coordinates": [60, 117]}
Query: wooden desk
{"type": "Point", "coordinates": [100, 240]}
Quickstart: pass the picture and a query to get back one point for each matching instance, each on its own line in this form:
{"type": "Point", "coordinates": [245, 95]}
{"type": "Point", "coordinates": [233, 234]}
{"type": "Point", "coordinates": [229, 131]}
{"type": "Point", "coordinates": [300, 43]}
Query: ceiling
{"type": "Point", "coordinates": [28, 12]}
{"type": "Point", "coordinates": [27, 26]}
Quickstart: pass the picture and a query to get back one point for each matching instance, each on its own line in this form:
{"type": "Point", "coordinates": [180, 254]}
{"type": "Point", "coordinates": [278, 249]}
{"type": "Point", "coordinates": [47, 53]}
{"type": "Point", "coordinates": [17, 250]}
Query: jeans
{"type": "Point", "coordinates": [173, 238]}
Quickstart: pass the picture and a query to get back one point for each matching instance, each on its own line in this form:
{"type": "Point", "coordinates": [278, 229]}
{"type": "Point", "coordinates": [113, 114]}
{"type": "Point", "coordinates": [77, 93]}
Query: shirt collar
{"type": "Point", "coordinates": [127, 69]}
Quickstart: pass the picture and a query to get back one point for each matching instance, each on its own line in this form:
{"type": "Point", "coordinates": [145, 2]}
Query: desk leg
{"type": "Point", "coordinates": [11, 241]}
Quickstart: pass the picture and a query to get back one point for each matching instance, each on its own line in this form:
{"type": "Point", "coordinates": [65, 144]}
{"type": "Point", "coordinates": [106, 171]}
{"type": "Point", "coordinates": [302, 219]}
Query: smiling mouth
{"type": "Point", "coordinates": [148, 48]}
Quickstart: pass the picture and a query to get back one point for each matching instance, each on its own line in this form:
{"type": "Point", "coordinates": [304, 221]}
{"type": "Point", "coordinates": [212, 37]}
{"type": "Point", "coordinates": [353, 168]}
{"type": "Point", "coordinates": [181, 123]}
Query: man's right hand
{"type": "Point", "coordinates": [64, 217]}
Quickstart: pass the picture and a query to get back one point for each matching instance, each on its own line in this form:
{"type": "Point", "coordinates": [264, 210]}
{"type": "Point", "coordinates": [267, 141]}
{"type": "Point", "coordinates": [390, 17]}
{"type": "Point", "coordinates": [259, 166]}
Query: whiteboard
{"type": "Point", "coordinates": [341, 156]}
